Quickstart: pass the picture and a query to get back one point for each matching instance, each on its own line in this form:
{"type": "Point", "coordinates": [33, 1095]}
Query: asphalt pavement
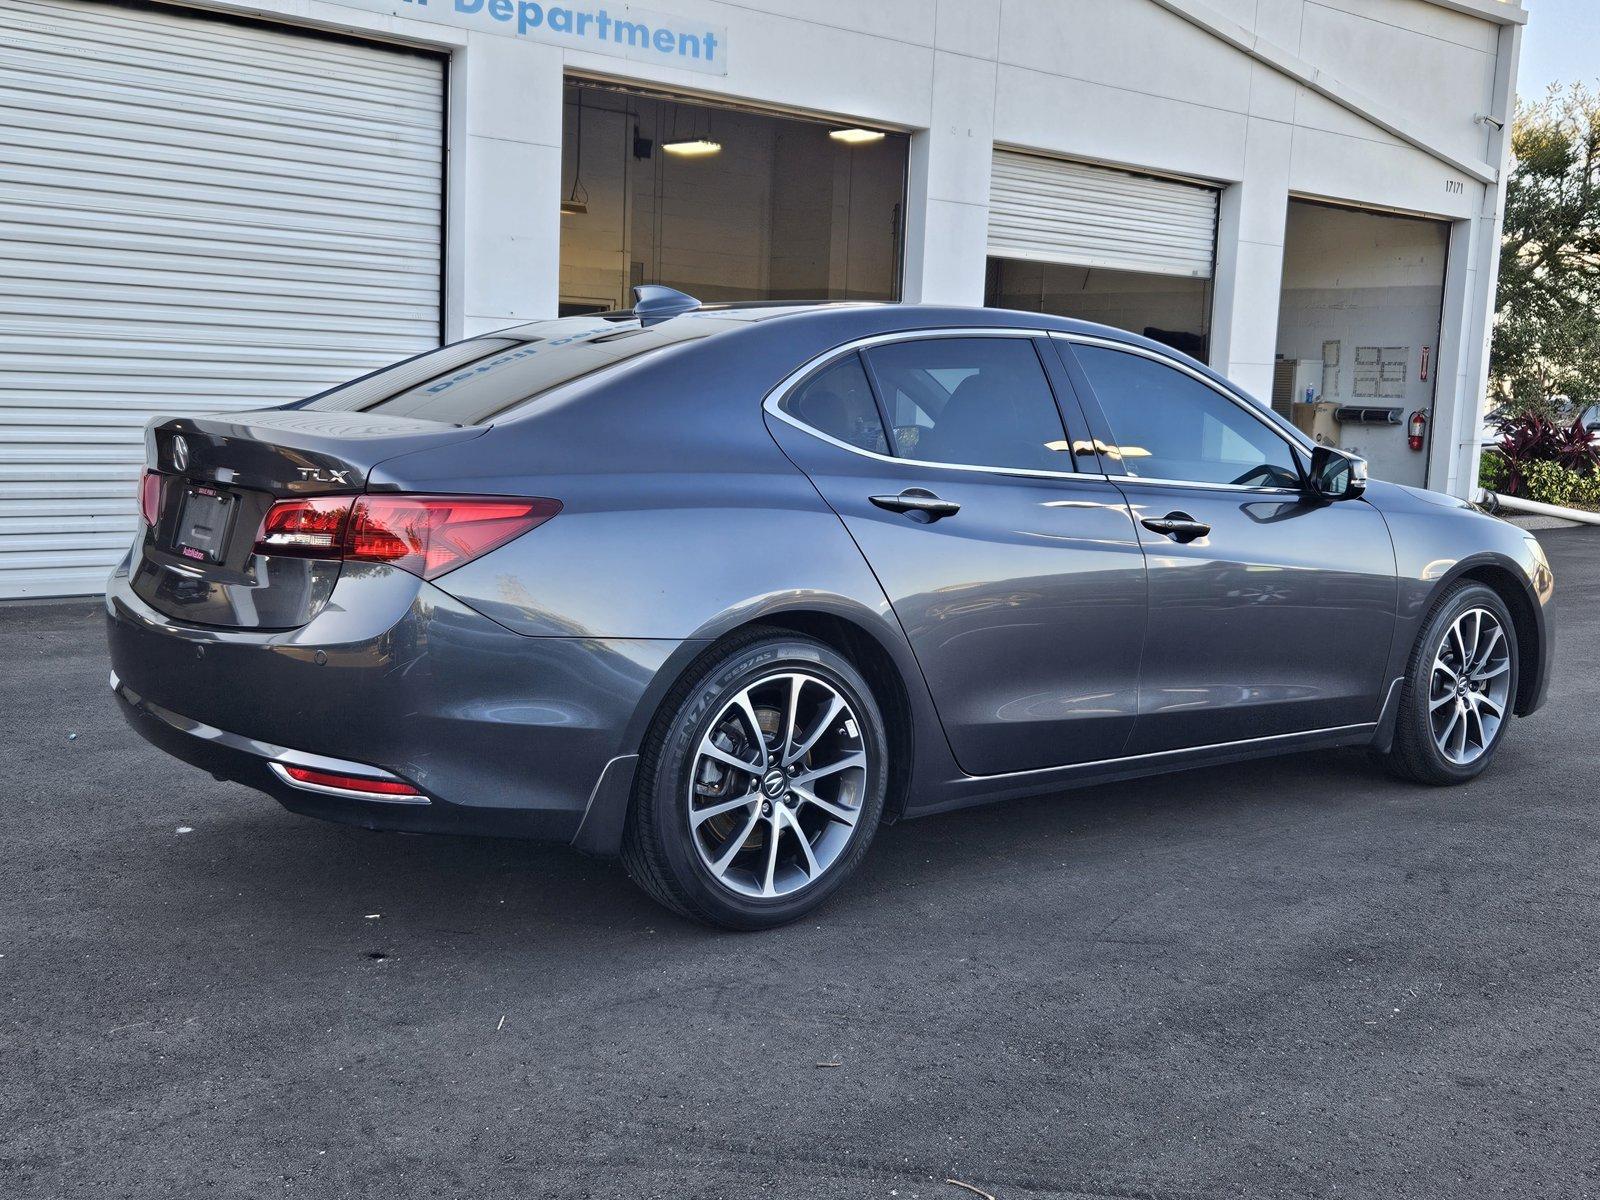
{"type": "Point", "coordinates": [1286, 978]}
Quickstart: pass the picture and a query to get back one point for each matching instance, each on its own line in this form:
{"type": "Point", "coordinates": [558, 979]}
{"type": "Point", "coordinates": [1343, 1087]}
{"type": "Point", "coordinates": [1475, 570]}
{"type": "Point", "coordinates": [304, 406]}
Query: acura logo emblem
{"type": "Point", "coordinates": [180, 453]}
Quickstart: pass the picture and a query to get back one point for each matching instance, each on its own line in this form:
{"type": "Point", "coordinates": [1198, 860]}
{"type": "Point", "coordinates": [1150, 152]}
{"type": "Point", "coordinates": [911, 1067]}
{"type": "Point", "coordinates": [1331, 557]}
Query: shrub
{"type": "Point", "coordinates": [1538, 455]}
{"type": "Point", "coordinates": [1492, 472]}
{"type": "Point", "coordinates": [1587, 493]}
{"type": "Point", "coordinates": [1551, 483]}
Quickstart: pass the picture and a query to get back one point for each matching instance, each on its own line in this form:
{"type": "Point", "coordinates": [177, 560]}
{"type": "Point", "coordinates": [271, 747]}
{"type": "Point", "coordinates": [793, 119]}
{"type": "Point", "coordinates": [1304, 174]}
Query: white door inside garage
{"type": "Point", "coordinates": [1128, 250]}
{"type": "Point", "coordinates": [196, 215]}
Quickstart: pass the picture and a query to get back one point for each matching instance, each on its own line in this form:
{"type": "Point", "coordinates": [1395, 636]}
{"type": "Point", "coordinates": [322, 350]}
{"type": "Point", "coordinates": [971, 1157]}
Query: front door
{"type": "Point", "coordinates": [1269, 614]}
{"type": "Point", "coordinates": [1019, 582]}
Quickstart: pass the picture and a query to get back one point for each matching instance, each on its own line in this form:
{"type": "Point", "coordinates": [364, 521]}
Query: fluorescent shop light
{"type": "Point", "coordinates": [698, 148]}
{"type": "Point", "coordinates": [856, 136]}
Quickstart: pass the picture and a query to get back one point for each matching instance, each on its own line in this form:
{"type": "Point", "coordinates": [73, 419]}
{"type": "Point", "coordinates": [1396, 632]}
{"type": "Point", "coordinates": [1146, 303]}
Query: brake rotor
{"type": "Point", "coordinates": [715, 779]}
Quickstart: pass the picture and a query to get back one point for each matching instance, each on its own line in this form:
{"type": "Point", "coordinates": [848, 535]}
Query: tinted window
{"type": "Point", "coordinates": [1168, 425]}
{"type": "Point", "coordinates": [838, 401]}
{"type": "Point", "coordinates": [477, 380]}
{"type": "Point", "coordinates": [978, 401]}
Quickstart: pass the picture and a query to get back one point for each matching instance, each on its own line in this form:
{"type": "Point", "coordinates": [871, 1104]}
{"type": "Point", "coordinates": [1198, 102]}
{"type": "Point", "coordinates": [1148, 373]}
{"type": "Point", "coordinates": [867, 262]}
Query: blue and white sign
{"type": "Point", "coordinates": [619, 29]}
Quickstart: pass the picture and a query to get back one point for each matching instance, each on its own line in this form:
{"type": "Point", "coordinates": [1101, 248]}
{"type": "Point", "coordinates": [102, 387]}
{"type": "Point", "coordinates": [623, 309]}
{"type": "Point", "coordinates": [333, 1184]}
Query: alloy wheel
{"type": "Point", "coordinates": [777, 785]}
{"type": "Point", "coordinates": [1470, 686]}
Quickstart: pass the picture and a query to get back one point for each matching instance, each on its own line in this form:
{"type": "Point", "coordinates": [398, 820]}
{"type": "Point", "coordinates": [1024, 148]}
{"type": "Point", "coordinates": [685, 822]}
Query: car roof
{"type": "Point", "coordinates": [823, 323]}
{"type": "Point", "coordinates": [904, 317]}
{"type": "Point", "coordinates": [908, 318]}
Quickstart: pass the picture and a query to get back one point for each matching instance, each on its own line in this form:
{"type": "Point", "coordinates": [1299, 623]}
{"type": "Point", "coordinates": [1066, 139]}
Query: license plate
{"type": "Point", "coordinates": [203, 524]}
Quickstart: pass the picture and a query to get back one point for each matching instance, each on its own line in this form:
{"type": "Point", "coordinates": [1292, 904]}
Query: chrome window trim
{"type": "Point", "coordinates": [773, 401]}
{"type": "Point", "coordinates": [1195, 483]}
{"type": "Point", "coordinates": [1299, 446]}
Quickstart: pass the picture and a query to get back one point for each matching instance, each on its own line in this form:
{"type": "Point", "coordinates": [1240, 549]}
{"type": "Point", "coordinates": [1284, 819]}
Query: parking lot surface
{"type": "Point", "coordinates": [1295, 977]}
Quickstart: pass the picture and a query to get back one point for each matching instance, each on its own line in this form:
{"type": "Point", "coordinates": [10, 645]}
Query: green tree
{"type": "Point", "coordinates": [1547, 311]}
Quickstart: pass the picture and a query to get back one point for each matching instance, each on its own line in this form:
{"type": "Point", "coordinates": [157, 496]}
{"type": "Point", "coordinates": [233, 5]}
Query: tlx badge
{"type": "Point", "coordinates": [312, 475]}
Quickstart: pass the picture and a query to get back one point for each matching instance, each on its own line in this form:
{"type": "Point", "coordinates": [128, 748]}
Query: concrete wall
{"type": "Point", "coordinates": [1371, 102]}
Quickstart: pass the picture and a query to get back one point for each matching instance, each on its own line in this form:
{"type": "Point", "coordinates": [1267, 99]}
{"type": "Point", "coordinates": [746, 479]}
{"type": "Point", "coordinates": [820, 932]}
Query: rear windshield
{"type": "Point", "coordinates": [471, 382]}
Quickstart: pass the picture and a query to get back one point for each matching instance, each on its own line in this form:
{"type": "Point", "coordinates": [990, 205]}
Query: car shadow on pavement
{"type": "Point", "coordinates": [504, 893]}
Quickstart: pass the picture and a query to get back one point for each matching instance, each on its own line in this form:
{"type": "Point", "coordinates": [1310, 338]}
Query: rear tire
{"type": "Point", "coordinates": [744, 832]}
{"type": "Point", "coordinates": [1460, 684]}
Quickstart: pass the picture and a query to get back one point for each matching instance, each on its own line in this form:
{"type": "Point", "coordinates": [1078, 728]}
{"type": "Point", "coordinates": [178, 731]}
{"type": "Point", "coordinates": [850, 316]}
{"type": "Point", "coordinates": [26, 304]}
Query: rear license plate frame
{"type": "Point", "coordinates": [217, 509]}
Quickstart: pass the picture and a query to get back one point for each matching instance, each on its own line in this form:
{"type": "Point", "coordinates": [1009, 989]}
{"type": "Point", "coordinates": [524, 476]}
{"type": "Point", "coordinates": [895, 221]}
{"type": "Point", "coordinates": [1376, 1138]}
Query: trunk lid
{"type": "Point", "coordinates": [220, 475]}
{"type": "Point", "coordinates": [293, 452]}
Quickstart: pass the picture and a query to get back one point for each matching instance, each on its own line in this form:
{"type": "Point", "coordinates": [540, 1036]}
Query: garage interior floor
{"type": "Point", "coordinates": [1287, 978]}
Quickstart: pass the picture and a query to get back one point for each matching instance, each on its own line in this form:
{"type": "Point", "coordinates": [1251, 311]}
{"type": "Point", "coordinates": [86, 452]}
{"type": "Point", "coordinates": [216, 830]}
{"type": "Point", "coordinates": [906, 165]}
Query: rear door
{"type": "Point", "coordinates": [1269, 615]}
{"type": "Point", "coordinates": [1018, 580]}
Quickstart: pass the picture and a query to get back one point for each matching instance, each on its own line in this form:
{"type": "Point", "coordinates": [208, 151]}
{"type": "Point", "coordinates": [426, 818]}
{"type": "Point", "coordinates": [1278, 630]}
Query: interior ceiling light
{"type": "Point", "coordinates": [695, 148]}
{"type": "Point", "coordinates": [856, 136]}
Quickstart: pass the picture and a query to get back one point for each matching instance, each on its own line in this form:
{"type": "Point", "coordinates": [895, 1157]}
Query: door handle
{"type": "Point", "coordinates": [1179, 526]}
{"type": "Point", "coordinates": [918, 503]}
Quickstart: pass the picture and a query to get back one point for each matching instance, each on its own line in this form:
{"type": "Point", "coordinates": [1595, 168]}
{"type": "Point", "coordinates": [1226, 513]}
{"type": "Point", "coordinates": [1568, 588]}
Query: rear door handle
{"type": "Point", "coordinates": [1179, 526]}
{"type": "Point", "coordinates": [918, 503]}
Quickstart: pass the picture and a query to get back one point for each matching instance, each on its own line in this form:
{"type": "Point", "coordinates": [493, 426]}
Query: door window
{"type": "Point", "coordinates": [838, 401]}
{"type": "Point", "coordinates": [971, 401]}
{"type": "Point", "coordinates": [1168, 425]}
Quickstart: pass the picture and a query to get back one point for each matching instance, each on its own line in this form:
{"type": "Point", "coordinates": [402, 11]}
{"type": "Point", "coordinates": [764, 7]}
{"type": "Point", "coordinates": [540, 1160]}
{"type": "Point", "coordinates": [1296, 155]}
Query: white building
{"type": "Point", "coordinates": [238, 205]}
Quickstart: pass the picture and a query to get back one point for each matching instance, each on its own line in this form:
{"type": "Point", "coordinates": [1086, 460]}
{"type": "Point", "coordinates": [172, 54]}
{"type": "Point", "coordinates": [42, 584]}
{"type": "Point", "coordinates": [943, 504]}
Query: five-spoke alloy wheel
{"type": "Point", "coordinates": [1459, 689]}
{"type": "Point", "coordinates": [761, 785]}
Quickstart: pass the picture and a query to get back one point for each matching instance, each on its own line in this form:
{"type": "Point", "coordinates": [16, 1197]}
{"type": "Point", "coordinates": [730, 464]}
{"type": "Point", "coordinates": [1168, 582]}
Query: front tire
{"type": "Point", "coordinates": [1461, 683]}
{"type": "Point", "coordinates": [761, 783]}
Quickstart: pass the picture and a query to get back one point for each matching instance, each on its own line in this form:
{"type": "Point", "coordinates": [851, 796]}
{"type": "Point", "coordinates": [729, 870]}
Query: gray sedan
{"type": "Point", "coordinates": [723, 590]}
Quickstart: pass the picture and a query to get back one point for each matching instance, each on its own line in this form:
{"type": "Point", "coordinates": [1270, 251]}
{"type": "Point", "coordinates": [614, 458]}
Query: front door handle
{"type": "Point", "coordinates": [919, 504]}
{"type": "Point", "coordinates": [1179, 526]}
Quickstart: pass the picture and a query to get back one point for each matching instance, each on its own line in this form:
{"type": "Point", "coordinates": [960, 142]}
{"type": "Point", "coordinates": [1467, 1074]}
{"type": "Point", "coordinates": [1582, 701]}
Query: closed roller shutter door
{"type": "Point", "coordinates": [195, 216]}
{"type": "Point", "coordinates": [1045, 210]}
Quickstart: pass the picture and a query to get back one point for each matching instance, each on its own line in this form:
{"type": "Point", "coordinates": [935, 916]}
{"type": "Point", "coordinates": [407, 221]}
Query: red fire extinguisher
{"type": "Point", "coordinates": [1416, 426]}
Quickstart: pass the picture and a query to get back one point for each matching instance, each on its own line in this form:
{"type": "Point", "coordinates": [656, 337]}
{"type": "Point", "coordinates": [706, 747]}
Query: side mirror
{"type": "Point", "coordinates": [1337, 474]}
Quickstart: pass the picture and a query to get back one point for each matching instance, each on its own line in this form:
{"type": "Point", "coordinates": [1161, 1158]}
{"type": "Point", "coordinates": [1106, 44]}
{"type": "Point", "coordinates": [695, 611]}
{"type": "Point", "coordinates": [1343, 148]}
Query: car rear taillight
{"type": "Point", "coordinates": [429, 535]}
{"type": "Point", "coordinates": [426, 535]}
{"type": "Point", "coordinates": [150, 496]}
{"type": "Point", "coordinates": [311, 528]}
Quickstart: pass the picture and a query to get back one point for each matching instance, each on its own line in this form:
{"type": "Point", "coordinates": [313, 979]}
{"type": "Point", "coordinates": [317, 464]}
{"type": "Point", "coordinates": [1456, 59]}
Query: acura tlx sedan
{"type": "Point", "coordinates": [722, 590]}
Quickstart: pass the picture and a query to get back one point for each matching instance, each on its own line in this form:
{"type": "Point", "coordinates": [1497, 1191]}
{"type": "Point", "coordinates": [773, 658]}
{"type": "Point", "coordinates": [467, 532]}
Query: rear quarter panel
{"type": "Point", "coordinates": [681, 518]}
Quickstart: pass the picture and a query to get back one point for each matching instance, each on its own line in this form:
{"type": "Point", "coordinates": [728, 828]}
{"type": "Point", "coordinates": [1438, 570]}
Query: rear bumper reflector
{"type": "Point", "coordinates": [380, 785]}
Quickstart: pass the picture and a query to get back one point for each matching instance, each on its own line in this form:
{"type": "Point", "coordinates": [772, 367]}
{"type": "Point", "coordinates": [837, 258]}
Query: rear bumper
{"type": "Point", "coordinates": [504, 734]}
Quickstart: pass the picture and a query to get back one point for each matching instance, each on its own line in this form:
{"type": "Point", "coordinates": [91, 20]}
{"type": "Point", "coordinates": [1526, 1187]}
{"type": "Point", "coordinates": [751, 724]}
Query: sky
{"type": "Point", "coordinates": [1560, 45]}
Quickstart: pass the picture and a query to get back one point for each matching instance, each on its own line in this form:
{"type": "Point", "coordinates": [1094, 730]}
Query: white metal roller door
{"type": "Point", "coordinates": [1046, 210]}
{"type": "Point", "coordinates": [195, 215]}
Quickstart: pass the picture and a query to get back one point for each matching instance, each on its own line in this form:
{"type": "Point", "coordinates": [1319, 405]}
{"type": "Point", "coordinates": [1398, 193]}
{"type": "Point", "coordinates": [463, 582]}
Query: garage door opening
{"type": "Point", "coordinates": [1168, 309]}
{"type": "Point", "coordinates": [723, 203]}
{"type": "Point", "coordinates": [1358, 331]}
{"type": "Point", "coordinates": [1132, 251]}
